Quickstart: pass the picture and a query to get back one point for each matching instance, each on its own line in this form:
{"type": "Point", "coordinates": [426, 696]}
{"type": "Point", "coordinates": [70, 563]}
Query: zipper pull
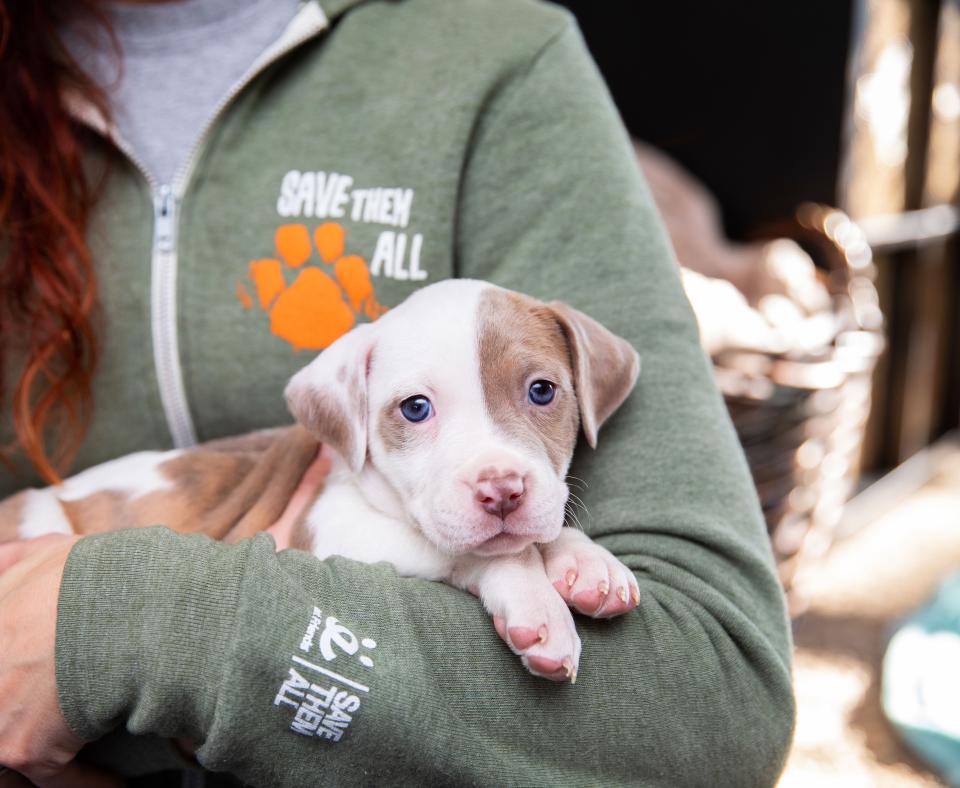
{"type": "Point", "coordinates": [165, 219]}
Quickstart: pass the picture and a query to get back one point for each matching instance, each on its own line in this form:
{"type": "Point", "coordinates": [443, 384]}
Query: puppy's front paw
{"type": "Point", "coordinates": [538, 628]}
{"type": "Point", "coordinates": [589, 577]}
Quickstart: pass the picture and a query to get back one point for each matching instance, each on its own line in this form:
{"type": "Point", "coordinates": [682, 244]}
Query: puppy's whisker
{"type": "Point", "coordinates": [571, 516]}
{"type": "Point", "coordinates": [577, 501]}
{"type": "Point", "coordinates": [582, 482]}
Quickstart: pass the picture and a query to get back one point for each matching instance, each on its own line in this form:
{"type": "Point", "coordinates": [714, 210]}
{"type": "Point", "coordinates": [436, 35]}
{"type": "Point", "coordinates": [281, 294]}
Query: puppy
{"type": "Point", "coordinates": [451, 422]}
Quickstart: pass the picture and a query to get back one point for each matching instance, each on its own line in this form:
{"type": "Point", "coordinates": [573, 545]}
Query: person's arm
{"type": "Point", "coordinates": [667, 489]}
{"type": "Point", "coordinates": [184, 637]}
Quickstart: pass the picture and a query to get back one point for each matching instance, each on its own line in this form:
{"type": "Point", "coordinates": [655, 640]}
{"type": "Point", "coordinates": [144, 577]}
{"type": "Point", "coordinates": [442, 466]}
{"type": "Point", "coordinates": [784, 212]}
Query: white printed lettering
{"type": "Point", "coordinates": [340, 197]}
{"type": "Point", "coordinates": [326, 184]}
{"type": "Point", "coordinates": [404, 201]}
{"type": "Point", "coordinates": [316, 717]}
{"type": "Point", "coordinates": [358, 196]}
{"type": "Point", "coordinates": [346, 701]}
{"type": "Point", "coordinates": [371, 209]}
{"type": "Point", "coordinates": [319, 698]}
{"type": "Point", "coordinates": [337, 716]}
{"type": "Point", "coordinates": [305, 195]}
{"type": "Point", "coordinates": [386, 207]}
{"type": "Point", "coordinates": [336, 634]}
{"type": "Point", "coordinates": [327, 733]}
{"type": "Point", "coordinates": [390, 255]}
{"type": "Point", "coordinates": [286, 202]}
{"type": "Point", "coordinates": [383, 255]}
{"type": "Point", "coordinates": [321, 194]}
{"type": "Point", "coordinates": [306, 719]}
{"type": "Point", "coordinates": [416, 273]}
{"type": "Point", "coordinates": [399, 272]}
{"type": "Point", "coordinates": [325, 712]}
{"type": "Point", "coordinates": [294, 685]}
{"type": "Point", "coordinates": [315, 620]}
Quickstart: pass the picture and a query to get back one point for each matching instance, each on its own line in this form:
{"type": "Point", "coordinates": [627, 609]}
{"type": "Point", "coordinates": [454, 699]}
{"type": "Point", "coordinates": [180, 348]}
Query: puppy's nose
{"type": "Point", "coordinates": [500, 495]}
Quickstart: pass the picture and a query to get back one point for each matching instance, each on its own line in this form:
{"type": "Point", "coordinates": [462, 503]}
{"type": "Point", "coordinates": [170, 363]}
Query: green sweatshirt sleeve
{"type": "Point", "coordinates": [290, 671]}
{"type": "Point", "coordinates": [667, 489]}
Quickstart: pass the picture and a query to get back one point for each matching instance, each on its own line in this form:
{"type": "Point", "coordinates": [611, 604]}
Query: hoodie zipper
{"type": "Point", "coordinates": [163, 319]}
{"type": "Point", "coordinates": [167, 199]}
{"type": "Point", "coordinates": [163, 303]}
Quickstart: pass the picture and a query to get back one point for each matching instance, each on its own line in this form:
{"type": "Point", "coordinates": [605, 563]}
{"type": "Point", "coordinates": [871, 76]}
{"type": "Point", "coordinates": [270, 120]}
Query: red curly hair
{"type": "Point", "coordinates": [48, 291]}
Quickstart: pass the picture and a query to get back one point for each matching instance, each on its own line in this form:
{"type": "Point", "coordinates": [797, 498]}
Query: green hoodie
{"type": "Point", "coordinates": [415, 140]}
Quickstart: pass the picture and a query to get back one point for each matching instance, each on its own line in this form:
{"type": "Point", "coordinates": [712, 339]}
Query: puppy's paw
{"type": "Point", "coordinates": [539, 629]}
{"type": "Point", "coordinates": [589, 577]}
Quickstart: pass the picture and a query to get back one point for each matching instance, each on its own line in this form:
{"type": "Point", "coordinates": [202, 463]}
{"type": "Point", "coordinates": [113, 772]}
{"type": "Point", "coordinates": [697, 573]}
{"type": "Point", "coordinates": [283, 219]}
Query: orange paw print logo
{"type": "Point", "coordinates": [323, 302]}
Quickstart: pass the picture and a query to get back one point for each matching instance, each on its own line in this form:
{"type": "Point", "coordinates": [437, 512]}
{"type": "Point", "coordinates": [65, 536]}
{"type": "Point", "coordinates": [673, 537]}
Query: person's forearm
{"type": "Point", "coordinates": [227, 646]}
{"type": "Point", "coordinates": [667, 490]}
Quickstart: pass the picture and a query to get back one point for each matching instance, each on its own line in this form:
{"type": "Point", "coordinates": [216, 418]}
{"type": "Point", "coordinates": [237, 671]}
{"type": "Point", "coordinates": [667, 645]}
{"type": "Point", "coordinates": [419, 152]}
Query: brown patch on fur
{"type": "Point", "coordinates": [391, 428]}
{"type": "Point", "coordinates": [328, 416]}
{"type": "Point", "coordinates": [519, 340]}
{"type": "Point", "coordinates": [324, 418]}
{"type": "Point", "coordinates": [225, 489]}
{"type": "Point", "coordinates": [98, 513]}
{"type": "Point", "coordinates": [258, 497]}
{"type": "Point", "coordinates": [11, 512]}
{"type": "Point", "coordinates": [253, 442]}
{"type": "Point", "coordinates": [605, 367]}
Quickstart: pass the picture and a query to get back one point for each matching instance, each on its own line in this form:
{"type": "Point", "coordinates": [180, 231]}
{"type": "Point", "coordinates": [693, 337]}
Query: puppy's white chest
{"type": "Point", "coordinates": [342, 522]}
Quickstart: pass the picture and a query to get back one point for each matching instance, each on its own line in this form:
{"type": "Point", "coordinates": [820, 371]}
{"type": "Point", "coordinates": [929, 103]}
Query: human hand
{"type": "Point", "coordinates": [307, 490]}
{"type": "Point", "coordinates": [35, 739]}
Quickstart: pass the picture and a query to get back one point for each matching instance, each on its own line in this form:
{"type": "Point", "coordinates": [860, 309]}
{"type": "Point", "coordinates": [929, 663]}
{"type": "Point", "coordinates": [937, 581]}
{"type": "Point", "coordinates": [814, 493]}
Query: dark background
{"type": "Point", "coordinates": [749, 96]}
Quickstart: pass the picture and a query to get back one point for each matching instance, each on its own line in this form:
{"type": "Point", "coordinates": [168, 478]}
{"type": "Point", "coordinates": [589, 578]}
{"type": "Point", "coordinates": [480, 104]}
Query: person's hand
{"type": "Point", "coordinates": [307, 490]}
{"type": "Point", "coordinates": [34, 737]}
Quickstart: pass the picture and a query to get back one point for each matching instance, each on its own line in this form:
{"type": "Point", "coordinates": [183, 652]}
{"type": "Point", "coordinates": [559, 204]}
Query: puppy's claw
{"type": "Point", "coordinates": [622, 593]}
{"type": "Point", "coordinates": [571, 577]}
{"type": "Point", "coordinates": [569, 669]}
{"type": "Point", "coordinates": [542, 633]}
{"type": "Point", "coordinates": [635, 593]}
{"type": "Point", "coordinates": [603, 587]}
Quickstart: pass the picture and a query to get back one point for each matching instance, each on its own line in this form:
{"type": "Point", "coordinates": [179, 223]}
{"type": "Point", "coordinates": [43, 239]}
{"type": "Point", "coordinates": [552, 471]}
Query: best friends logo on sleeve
{"type": "Point", "coordinates": [324, 701]}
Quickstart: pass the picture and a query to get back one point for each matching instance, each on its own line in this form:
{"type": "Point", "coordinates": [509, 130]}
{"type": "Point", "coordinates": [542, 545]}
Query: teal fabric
{"type": "Point", "coordinates": [921, 681]}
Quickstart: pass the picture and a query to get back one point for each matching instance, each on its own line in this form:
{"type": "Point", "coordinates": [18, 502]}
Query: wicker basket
{"type": "Point", "coordinates": [801, 416]}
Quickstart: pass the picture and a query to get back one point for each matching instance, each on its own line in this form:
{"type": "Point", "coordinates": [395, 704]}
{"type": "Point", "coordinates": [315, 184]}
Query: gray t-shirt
{"type": "Point", "coordinates": [179, 60]}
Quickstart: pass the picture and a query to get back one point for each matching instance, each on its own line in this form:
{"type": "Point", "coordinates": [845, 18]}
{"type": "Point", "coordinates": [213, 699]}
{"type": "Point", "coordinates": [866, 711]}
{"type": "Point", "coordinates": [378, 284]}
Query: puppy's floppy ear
{"type": "Point", "coordinates": [605, 367]}
{"type": "Point", "coordinates": [329, 395]}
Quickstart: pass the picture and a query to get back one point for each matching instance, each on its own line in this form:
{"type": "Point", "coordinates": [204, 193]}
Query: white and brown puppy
{"type": "Point", "coordinates": [452, 422]}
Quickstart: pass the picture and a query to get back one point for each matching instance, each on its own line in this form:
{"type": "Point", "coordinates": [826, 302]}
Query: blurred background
{"type": "Point", "coordinates": [806, 158]}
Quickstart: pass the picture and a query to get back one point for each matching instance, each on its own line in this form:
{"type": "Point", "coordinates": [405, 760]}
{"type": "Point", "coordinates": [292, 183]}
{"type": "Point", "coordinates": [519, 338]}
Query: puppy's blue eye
{"type": "Point", "coordinates": [541, 392]}
{"type": "Point", "coordinates": [416, 408]}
